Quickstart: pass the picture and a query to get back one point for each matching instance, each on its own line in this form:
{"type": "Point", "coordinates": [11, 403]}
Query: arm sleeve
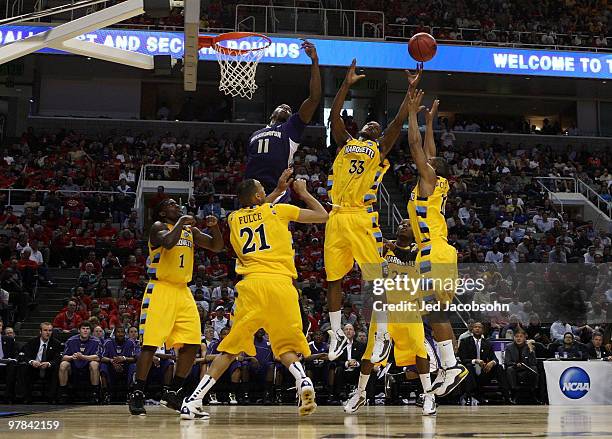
{"type": "Point", "coordinates": [287, 212]}
{"type": "Point", "coordinates": [294, 128]}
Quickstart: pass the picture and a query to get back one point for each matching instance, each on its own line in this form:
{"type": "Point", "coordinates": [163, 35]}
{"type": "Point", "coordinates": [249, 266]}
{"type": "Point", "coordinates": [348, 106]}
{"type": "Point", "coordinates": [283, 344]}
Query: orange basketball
{"type": "Point", "coordinates": [422, 47]}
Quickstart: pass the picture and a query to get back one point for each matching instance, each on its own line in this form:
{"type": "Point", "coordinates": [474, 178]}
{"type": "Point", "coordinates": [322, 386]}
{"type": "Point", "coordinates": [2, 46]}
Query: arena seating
{"type": "Point", "coordinates": [93, 247]}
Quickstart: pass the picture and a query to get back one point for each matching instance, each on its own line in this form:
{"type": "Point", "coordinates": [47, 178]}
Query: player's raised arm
{"type": "Point", "coordinates": [161, 236]}
{"type": "Point", "coordinates": [284, 182]}
{"type": "Point", "coordinates": [337, 124]}
{"type": "Point", "coordinates": [310, 105]}
{"type": "Point", "coordinates": [315, 212]}
{"type": "Point", "coordinates": [430, 143]}
{"type": "Point", "coordinates": [395, 127]}
{"type": "Point", "coordinates": [214, 241]}
{"type": "Point", "coordinates": [427, 175]}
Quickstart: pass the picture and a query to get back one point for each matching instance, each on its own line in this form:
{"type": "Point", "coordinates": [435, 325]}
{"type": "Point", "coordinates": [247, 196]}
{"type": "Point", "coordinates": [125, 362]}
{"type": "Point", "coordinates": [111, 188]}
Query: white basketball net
{"type": "Point", "coordinates": [238, 69]}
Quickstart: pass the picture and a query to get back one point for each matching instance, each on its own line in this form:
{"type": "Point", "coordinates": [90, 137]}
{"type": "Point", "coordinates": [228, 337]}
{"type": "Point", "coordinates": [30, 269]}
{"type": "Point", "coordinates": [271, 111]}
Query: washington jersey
{"type": "Point", "coordinates": [174, 265]}
{"type": "Point", "coordinates": [261, 239]}
{"type": "Point", "coordinates": [271, 150]}
{"type": "Point", "coordinates": [356, 173]}
{"type": "Point", "coordinates": [427, 213]}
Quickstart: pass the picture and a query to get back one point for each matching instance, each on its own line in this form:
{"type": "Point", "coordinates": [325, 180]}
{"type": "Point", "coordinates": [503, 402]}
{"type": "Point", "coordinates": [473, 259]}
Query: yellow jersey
{"type": "Point", "coordinates": [427, 213]}
{"type": "Point", "coordinates": [173, 265]}
{"type": "Point", "coordinates": [261, 239]}
{"type": "Point", "coordinates": [356, 174]}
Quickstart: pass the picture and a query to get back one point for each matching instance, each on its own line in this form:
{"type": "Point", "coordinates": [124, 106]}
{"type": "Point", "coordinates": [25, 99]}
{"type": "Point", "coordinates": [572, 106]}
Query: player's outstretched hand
{"type": "Point", "coordinates": [310, 49]}
{"type": "Point", "coordinates": [285, 180]}
{"type": "Point", "coordinates": [351, 76]}
{"type": "Point", "coordinates": [430, 114]}
{"type": "Point", "coordinates": [211, 221]}
{"type": "Point", "coordinates": [187, 220]}
{"type": "Point", "coordinates": [414, 78]}
{"type": "Point", "coordinates": [299, 186]}
{"type": "Point", "coordinates": [414, 101]}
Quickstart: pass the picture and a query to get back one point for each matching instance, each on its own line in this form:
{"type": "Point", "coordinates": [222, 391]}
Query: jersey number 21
{"type": "Point", "coordinates": [250, 246]}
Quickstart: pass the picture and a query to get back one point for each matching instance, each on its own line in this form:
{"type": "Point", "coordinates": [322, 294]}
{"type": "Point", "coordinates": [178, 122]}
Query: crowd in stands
{"type": "Point", "coordinates": [569, 23]}
{"type": "Point", "coordinates": [498, 216]}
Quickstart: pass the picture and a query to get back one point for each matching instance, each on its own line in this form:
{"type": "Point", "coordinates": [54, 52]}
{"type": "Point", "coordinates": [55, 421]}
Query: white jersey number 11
{"type": "Point", "coordinates": [262, 146]}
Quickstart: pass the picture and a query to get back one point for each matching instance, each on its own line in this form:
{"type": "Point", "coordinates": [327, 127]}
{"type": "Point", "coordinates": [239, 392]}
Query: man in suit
{"type": "Point", "coordinates": [476, 354]}
{"type": "Point", "coordinates": [347, 365]}
{"type": "Point", "coordinates": [521, 365]}
{"type": "Point", "coordinates": [42, 356]}
{"type": "Point", "coordinates": [596, 349]}
{"type": "Point", "coordinates": [8, 361]}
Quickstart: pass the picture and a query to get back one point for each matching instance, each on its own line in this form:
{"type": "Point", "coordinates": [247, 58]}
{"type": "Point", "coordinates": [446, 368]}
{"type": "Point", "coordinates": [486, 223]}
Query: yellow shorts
{"type": "Point", "coordinates": [270, 302]}
{"type": "Point", "coordinates": [437, 265]}
{"type": "Point", "coordinates": [169, 315]}
{"type": "Point", "coordinates": [352, 234]}
{"type": "Point", "coordinates": [408, 341]}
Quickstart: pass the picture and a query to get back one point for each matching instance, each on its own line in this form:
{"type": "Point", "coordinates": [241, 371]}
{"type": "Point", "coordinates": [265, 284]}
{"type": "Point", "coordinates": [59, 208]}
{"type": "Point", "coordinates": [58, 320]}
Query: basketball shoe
{"type": "Point", "coordinates": [337, 343]}
{"type": "Point", "coordinates": [382, 347]}
{"type": "Point", "coordinates": [358, 399]}
{"type": "Point", "coordinates": [448, 379]}
{"type": "Point", "coordinates": [306, 397]}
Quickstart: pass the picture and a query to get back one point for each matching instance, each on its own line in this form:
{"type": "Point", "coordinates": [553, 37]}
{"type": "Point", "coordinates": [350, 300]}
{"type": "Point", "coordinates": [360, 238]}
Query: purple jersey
{"type": "Point", "coordinates": [74, 344]}
{"type": "Point", "coordinates": [263, 351]}
{"type": "Point", "coordinates": [112, 349]}
{"type": "Point", "coordinates": [271, 150]}
{"type": "Point", "coordinates": [321, 349]}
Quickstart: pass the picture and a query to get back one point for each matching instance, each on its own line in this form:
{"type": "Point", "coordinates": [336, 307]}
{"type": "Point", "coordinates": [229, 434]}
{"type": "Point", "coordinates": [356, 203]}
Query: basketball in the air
{"type": "Point", "coordinates": [422, 47]}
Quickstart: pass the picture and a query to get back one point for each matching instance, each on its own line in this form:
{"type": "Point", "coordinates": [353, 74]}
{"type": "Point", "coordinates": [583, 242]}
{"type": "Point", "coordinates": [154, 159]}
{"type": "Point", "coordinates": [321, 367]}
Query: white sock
{"type": "Point", "coordinates": [363, 382]}
{"type": "Point", "coordinates": [297, 370]}
{"type": "Point", "coordinates": [203, 388]}
{"type": "Point", "coordinates": [381, 322]}
{"type": "Point", "coordinates": [425, 381]}
{"type": "Point", "coordinates": [335, 318]}
{"type": "Point", "coordinates": [447, 354]}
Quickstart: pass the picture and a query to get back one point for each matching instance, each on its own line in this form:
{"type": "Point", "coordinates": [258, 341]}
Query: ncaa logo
{"type": "Point", "coordinates": [574, 382]}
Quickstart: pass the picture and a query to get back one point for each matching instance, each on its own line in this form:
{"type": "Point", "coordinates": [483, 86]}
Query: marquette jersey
{"type": "Point", "coordinates": [173, 265]}
{"type": "Point", "coordinates": [356, 174]}
{"type": "Point", "coordinates": [402, 260]}
{"type": "Point", "coordinates": [271, 151]}
{"type": "Point", "coordinates": [261, 239]}
{"type": "Point", "coordinates": [427, 213]}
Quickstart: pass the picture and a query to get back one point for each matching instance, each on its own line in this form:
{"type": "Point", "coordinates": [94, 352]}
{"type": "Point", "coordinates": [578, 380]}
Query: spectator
{"type": "Point", "coordinates": [8, 353]}
{"type": "Point", "coordinates": [131, 273]}
{"type": "Point", "coordinates": [42, 355]}
{"type": "Point", "coordinates": [347, 365]}
{"type": "Point", "coordinates": [521, 365]}
{"type": "Point", "coordinates": [216, 271]}
{"type": "Point", "coordinates": [199, 285]}
{"type": "Point", "coordinates": [118, 362]}
{"type": "Point", "coordinates": [569, 348]}
{"type": "Point", "coordinates": [596, 350]}
{"type": "Point", "coordinates": [67, 321]}
{"type": "Point", "coordinates": [476, 353]}
{"type": "Point", "coordinates": [220, 321]}
{"type": "Point", "coordinates": [80, 360]}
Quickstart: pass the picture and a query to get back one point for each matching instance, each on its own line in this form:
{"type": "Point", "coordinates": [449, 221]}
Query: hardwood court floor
{"type": "Point", "coordinates": [258, 422]}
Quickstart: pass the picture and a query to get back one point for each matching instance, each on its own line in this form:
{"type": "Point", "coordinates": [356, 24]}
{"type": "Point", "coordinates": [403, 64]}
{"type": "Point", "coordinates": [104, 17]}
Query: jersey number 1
{"type": "Point", "coordinates": [182, 257]}
{"type": "Point", "coordinates": [262, 146]}
{"type": "Point", "coordinates": [249, 245]}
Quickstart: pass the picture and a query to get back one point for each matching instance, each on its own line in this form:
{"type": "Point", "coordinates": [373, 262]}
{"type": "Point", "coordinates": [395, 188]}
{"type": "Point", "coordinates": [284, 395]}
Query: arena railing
{"type": "Point", "coordinates": [14, 199]}
{"type": "Point", "coordinates": [405, 32]}
{"type": "Point", "coordinates": [349, 20]}
{"type": "Point", "coordinates": [594, 197]}
{"type": "Point", "coordinates": [393, 215]}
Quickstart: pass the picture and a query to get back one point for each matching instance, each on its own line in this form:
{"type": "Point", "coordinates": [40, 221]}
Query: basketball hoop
{"type": "Point", "coordinates": [238, 54]}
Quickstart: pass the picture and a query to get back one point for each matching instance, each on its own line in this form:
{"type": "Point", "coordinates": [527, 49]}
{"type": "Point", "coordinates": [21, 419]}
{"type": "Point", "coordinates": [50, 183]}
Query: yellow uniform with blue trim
{"type": "Point", "coordinates": [437, 259]}
{"type": "Point", "coordinates": [266, 296]}
{"type": "Point", "coordinates": [405, 327]}
{"type": "Point", "coordinates": [169, 313]}
{"type": "Point", "coordinates": [352, 232]}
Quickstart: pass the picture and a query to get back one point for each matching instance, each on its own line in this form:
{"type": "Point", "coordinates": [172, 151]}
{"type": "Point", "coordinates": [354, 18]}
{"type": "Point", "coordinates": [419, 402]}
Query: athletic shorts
{"type": "Point", "coordinates": [408, 341]}
{"type": "Point", "coordinates": [270, 302]}
{"type": "Point", "coordinates": [169, 315]}
{"type": "Point", "coordinates": [352, 234]}
{"type": "Point", "coordinates": [437, 265]}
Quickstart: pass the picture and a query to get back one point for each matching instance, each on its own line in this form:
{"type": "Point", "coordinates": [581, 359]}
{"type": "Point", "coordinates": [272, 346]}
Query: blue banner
{"type": "Point", "coordinates": [369, 54]}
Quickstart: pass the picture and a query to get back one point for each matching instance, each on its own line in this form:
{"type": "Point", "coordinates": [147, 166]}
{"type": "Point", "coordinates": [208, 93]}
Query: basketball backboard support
{"type": "Point", "coordinates": [63, 37]}
{"type": "Point", "coordinates": [191, 52]}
